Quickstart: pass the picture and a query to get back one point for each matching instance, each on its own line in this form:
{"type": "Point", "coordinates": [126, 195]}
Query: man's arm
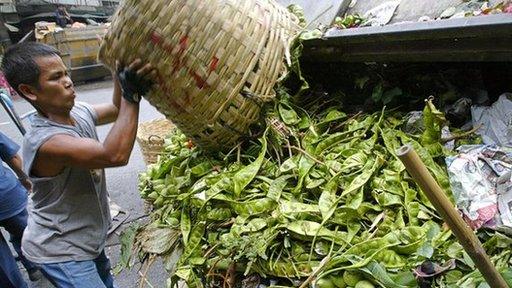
{"type": "Point", "coordinates": [9, 154]}
{"type": "Point", "coordinates": [108, 112]}
{"type": "Point", "coordinates": [66, 151]}
{"type": "Point", "coordinates": [15, 164]}
{"type": "Point", "coordinates": [8, 149]}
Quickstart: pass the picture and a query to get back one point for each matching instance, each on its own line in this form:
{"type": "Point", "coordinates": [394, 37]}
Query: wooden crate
{"type": "Point", "coordinates": [79, 48]}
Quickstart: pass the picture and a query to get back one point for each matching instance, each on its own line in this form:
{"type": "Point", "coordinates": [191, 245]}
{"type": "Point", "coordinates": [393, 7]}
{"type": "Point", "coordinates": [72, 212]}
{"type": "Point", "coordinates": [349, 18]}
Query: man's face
{"type": "Point", "coordinates": [56, 94]}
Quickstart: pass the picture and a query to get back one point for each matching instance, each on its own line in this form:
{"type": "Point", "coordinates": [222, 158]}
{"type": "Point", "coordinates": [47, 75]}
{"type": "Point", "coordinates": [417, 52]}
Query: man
{"type": "Point", "coordinates": [69, 220]}
{"type": "Point", "coordinates": [13, 215]}
{"type": "Point", "coordinates": [62, 16]}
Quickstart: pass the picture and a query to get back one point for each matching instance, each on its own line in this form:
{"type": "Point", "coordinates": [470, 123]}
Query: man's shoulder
{"type": "Point", "coordinates": [85, 111]}
{"type": "Point", "coordinates": [40, 131]}
{"type": "Point", "coordinates": [39, 134]}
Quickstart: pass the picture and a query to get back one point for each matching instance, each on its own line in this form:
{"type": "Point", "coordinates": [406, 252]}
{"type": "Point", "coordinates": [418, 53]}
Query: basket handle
{"type": "Point", "coordinates": [155, 139]}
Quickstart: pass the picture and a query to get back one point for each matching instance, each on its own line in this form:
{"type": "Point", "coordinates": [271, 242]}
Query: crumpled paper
{"type": "Point", "coordinates": [496, 121]}
{"type": "Point", "coordinates": [382, 14]}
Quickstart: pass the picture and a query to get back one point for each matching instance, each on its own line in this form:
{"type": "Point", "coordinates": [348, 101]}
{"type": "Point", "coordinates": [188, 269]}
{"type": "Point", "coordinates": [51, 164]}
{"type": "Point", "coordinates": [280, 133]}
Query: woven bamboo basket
{"type": "Point", "coordinates": [151, 138]}
{"type": "Point", "coordinates": [217, 60]}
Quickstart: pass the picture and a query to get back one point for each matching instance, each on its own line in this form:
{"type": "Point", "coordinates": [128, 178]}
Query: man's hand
{"type": "Point", "coordinates": [135, 80]}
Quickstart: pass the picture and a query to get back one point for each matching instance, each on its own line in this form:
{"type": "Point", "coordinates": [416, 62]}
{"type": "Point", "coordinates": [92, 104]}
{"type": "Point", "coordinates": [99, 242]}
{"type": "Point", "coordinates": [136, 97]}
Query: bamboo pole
{"type": "Point", "coordinates": [444, 207]}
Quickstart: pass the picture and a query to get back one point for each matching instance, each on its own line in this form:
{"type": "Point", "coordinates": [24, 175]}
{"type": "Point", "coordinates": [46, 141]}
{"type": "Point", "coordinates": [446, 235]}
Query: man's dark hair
{"type": "Point", "coordinates": [19, 63]}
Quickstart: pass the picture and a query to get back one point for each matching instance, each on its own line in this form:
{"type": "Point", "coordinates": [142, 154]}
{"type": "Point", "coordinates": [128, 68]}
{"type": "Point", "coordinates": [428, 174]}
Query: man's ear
{"type": "Point", "coordinates": [28, 91]}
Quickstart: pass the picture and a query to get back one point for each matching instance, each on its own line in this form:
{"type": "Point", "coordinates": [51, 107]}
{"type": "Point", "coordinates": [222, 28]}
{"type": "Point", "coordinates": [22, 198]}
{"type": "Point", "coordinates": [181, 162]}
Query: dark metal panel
{"type": "Point", "coordinates": [483, 38]}
{"type": "Point", "coordinates": [89, 72]}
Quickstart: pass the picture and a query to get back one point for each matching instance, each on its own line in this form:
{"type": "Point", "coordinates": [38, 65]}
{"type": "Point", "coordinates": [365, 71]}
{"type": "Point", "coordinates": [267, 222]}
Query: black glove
{"type": "Point", "coordinates": [133, 86]}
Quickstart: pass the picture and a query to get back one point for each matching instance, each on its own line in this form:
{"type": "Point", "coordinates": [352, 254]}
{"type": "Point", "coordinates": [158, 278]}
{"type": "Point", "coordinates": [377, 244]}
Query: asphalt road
{"type": "Point", "coordinates": [121, 182]}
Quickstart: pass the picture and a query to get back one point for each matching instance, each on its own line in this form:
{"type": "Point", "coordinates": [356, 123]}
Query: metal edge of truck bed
{"type": "Point", "coordinates": [471, 39]}
{"type": "Point", "coordinates": [89, 72]}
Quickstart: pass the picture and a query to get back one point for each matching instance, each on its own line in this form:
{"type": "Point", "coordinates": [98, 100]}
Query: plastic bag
{"type": "Point", "coordinates": [496, 121]}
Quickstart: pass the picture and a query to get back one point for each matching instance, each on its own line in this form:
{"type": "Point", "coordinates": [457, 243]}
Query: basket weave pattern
{"type": "Point", "coordinates": [217, 60]}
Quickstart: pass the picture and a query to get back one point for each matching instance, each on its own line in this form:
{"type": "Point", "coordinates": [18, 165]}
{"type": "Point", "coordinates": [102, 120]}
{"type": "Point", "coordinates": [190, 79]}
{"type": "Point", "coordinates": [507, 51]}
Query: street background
{"type": "Point", "coordinates": [121, 182]}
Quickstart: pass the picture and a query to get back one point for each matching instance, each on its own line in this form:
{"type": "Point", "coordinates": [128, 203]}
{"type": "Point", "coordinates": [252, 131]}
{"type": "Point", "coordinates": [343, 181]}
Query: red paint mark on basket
{"type": "Point", "coordinates": [178, 63]}
{"type": "Point", "coordinates": [184, 42]}
{"type": "Point", "coordinates": [200, 81]}
{"type": "Point", "coordinates": [158, 40]}
{"type": "Point", "coordinates": [214, 64]}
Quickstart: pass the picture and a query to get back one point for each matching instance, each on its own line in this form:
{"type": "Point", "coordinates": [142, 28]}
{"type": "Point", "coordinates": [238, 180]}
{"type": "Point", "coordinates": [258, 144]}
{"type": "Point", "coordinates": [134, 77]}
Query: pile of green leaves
{"type": "Point", "coordinates": [320, 199]}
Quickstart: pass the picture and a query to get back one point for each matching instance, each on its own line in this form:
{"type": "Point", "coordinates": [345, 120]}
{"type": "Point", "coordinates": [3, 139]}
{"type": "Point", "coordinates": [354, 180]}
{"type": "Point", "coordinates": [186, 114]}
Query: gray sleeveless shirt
{"type": "Point", "coordinates": [69, 214]}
